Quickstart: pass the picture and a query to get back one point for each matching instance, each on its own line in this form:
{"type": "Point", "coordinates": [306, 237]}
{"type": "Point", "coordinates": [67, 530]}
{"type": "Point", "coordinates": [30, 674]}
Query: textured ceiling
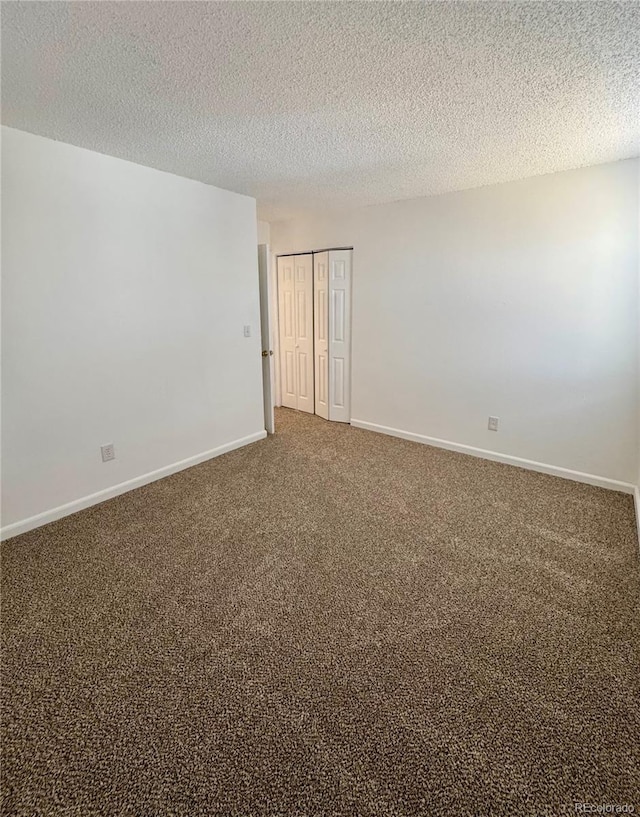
{"type": "Point", "coordinates": [314, 104]}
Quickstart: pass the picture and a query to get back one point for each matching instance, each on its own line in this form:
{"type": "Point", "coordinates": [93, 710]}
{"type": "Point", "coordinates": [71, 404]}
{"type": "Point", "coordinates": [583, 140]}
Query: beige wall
{"type": "Point", "coordinates": [125, 294]}
{"type": "Point", "coordinates": [517, 300]}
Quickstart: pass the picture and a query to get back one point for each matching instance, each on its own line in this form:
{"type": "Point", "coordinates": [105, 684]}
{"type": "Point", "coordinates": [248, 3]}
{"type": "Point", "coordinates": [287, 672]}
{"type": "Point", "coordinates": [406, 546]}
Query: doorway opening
{"type": "Point", "coordinates": [305, 303]}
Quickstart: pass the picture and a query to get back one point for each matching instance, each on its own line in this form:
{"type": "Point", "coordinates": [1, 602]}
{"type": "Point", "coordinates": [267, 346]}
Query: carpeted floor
{"type": "Point", "coordinates": [328, 622]}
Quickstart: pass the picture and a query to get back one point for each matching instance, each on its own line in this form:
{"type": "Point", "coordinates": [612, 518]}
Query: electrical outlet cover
{"type": "Point", "coordinates": [108, 452]}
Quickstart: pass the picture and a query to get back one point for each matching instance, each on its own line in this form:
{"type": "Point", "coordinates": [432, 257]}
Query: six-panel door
{"type": "Point", "coordinates": [295, 310]}
{"type": "Point", "coordinates": [314, 301]}
{"type": "Point", "coordinates": [321, 331]}
{"type": "Point", "coordinates": [340, 335]}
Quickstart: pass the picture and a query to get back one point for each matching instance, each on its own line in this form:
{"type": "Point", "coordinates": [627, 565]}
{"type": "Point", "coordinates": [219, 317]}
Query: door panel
{"type": "Point", "coordinates": [321, 379]}
{"type": "Point", "coordinates": [303, 383]}
{"type": "Point", "coordinates": [286, 325]}
{"type": "Point", "coordinates": [340, 335]}
{"type": "Point", "coordinates": [337, 379]}
{"type": "Point", "coordinates": [338, 316]}
{"type": "Point", "coordinates": [290, 375]}
{"type": "Point", "coordinates": [321, 332]}
{"type": "Point", "coordinates": [295, 301]}
{"type": "Point", "coordinates": [304, 331]}
{"type": "Point", "coordinates": [288, 316]}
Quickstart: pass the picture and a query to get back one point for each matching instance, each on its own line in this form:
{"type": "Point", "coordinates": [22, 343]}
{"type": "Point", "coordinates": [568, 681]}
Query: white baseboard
{"type": "Point", "coordinates": [115, 490]}
{"type": "Point", "coordinates": [507, 459]}
{"type": "Point", "coordinates": [636, 496]}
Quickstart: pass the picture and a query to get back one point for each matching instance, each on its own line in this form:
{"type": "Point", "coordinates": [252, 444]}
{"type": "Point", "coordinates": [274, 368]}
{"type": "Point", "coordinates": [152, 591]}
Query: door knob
{"type": "Point", "coordinates": [265, 353]}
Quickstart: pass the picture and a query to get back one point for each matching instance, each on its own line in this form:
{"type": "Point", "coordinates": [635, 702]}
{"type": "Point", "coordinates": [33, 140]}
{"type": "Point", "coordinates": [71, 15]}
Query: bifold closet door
{"type": "Point", "coordinates": [295, 319]}
{"type": "Point", "coordinates": [340, 335]}
{"type": "Point", "coordinates": [321, 331]}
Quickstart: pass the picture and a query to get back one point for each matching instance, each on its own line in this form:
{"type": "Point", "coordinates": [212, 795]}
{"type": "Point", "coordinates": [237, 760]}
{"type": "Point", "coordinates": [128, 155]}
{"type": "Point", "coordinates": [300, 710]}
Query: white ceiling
{"type": "Point", "coordinates": [307, 105]}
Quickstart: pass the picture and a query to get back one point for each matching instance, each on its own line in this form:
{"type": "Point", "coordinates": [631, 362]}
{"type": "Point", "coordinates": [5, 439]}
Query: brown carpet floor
{"type": "Point", "coordinates": [328, 622]}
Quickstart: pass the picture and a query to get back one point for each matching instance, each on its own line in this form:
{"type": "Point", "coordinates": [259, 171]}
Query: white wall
{"type": "Point", "coordinates": [125, 293]}
{"type": "Point", "coordinates": [264, 232]}
{"type": "Point", "coordinates": [517, 300]}
{"type": "Point", "coordinates": [637, 489]}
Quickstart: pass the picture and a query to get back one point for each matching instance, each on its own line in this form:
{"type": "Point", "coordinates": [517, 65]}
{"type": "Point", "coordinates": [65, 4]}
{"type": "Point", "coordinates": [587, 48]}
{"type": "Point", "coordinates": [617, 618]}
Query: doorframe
{"type": "Point", "coordinates": [275, 316]}
{"type": "Point", "coordinates": [275, 328]}
{"type": "Point", "coordinates": [266, 336]}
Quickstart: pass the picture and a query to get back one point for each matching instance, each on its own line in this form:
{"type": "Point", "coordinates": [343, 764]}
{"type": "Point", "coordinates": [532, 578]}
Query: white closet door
{"type": "Point", "coordinates": [286, 325]}
{"type": "Point", "coordinates": [340, 335]}
{"type": "Point", "coordinates": [295, 319]}
{"type": "Point", "coordinates": [321, 331]}
{"type": "Point", "coordinates": [304, 330]}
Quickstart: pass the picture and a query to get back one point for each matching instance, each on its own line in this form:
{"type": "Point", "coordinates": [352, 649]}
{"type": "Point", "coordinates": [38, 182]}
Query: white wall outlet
{"type": "Point", "coordinates": [493, 424]}
{"type": "Point", "coordinates": [108, 452]}
{"type": "Point", "coordinates": [247, 331]}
